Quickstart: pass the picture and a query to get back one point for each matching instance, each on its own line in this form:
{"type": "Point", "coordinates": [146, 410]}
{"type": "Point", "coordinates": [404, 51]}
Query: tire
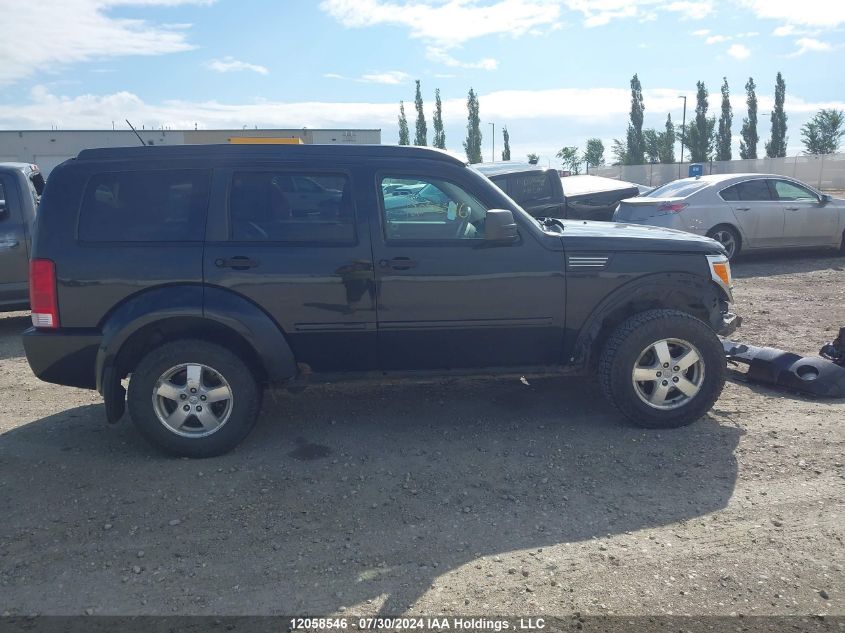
{"type": "Point", "coordinates": [728, 237]}
{"type": "Point", "coordinates": [226, 394]}
{"type": "Point", "coordinates": [842, 244]}
{"type": "Point", "coordinates": [636, 344]}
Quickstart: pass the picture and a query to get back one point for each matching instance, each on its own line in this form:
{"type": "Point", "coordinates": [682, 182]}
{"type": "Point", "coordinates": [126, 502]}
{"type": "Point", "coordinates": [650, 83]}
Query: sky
{"type": "Point", "coordinates": [555, 72]}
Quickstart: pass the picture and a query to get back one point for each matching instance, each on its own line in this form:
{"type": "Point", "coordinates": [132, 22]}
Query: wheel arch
{"type": "Point", "coordinates": [685, 292]}
{"type": "Point", "coordinates": [734, 226]}
{"type": "Point", "coordinates": [151, 318]}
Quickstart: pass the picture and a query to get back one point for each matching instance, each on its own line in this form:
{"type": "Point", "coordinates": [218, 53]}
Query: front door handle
{"type": "Point", "coordinates": [398, 263]}
{"type": "Point", "coordinates": [792, 208]}
{"type": "Point", "coordinates": [743, 208]}
{"type": "Point", "coordinates": [237, 263]}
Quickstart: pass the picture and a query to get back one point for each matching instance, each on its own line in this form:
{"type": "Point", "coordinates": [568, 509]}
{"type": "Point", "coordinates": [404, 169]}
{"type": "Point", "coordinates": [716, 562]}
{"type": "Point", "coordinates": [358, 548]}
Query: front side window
{"type": "Point", "coordinates": [291, 207]}
{"type": "Point", "coordinates": [430, 209]}
{"type": "Point", "coordinates": [145, 206]}
{"type": "Point", "coordinates": [790, 191]}
{"type": "Point", "coordinates": [753, 191]}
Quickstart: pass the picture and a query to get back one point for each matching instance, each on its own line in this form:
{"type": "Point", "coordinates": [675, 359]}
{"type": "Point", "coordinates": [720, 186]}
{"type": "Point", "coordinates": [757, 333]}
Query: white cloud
{"type": "Point", "coordinates": [816, 13]}
{"type": "Point", "coordinates": [599, 106]}
{"type": "Point", "coordinates": [738, 51]}
{"type": "Point", "coordinates": [439, 55]}
{"type": "Point", "coordinates": [716, 39]}
{"type": "Point", "coordinates": [784, 30]}
{"type": "Point", "coordinates": [448, 23]}
{"type": "Point", "coordinates": [809, 44]}
{"type": "Point", "coordinates": [230, 64]}
{"type": "Point", "coordinates": [390, 77]}
{"type": "Point", "coordinates": [701, 32]}
{"type": "Point", "coordinates": [48, 33]}
{"type": "Point", "coordinates": [691, 10]}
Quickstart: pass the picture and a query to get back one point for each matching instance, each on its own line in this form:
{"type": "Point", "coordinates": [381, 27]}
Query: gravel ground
{"type": "Point", "coordinates": [456, 497]}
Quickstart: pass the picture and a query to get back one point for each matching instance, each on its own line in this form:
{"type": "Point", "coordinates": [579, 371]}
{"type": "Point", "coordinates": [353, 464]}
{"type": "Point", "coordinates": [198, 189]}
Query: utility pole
{"type": "Point", "coordinates": [683, 132]}
{"type": "Point", "coordinates": [493, 155]}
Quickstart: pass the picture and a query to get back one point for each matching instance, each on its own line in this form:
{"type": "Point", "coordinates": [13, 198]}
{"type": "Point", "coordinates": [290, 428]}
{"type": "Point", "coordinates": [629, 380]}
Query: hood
{"type": "Point", "coordinates": [618, 237]}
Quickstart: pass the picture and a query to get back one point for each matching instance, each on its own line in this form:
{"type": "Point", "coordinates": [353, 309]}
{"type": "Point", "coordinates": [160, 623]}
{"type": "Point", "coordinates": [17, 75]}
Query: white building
{"type": "Point", "coordinates": [48, 148]}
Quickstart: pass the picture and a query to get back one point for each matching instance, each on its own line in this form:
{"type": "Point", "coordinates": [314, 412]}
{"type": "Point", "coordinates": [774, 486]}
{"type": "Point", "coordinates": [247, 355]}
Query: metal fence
{"type": "Point", "coordinates": [826, 171]}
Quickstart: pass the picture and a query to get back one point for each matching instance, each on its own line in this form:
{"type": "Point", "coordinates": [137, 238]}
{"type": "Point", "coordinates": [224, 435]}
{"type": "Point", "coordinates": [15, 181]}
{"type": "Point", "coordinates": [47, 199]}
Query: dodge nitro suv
{"type": "Point", "coordinates": [203, 274]}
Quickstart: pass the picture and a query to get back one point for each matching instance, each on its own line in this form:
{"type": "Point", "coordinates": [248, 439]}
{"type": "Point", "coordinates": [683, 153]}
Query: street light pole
{"type": "Point", "coordinates": [683, 132]}
{"type": "Point", "coordinates": [493, 155]}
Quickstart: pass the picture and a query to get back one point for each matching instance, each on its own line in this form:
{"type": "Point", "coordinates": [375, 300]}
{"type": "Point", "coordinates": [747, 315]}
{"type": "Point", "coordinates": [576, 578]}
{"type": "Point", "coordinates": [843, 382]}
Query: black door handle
{"type": "Point", "coordinates": [237, 263]}
{"type": "Point", "coordinates": [398, 263]}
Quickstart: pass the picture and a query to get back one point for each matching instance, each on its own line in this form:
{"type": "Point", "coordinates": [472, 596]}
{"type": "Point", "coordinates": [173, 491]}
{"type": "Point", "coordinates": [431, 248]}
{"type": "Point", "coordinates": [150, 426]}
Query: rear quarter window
{"type": "Point", "coordinates": [145, 206]}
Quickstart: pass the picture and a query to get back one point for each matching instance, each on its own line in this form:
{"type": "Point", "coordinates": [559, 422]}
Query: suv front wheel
{"type": "Point", "coordinates": [193, 398]}
{"type": "Point", "coordinates": [662, 368]}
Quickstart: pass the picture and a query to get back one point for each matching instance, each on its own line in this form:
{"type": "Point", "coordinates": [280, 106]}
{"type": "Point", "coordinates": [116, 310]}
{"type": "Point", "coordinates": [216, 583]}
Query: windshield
{"type": "Point", "coordinates": [677, 189]}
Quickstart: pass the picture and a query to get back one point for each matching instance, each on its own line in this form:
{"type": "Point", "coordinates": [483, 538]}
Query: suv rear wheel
{"type": "Point", "coordinates": [193, 398]}
{"type": "Point", "coordinates": [662, 368]}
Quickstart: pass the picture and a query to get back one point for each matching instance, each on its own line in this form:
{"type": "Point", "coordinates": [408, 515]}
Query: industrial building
{"type": "Point", "coordinates": [48, 148]}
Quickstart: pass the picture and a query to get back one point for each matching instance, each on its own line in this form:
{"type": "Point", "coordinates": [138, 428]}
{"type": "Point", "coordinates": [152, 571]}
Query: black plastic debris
{"type": "Point", "coordinates": [835, 350]}
{"type": "Point", "coordinates": [807, 374]}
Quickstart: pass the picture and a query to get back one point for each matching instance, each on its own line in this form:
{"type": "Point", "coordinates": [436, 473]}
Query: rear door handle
{"type": "Point", "coordinates": [743, 208]}
{"type": "Point", "coordinates": [398, 263]}
{"type": "Point", "coordinates": [792, 208]}
{"type": "Point", "coordinates": [237, 263]}
{"type": "Point", "coordinates": [9, 244]}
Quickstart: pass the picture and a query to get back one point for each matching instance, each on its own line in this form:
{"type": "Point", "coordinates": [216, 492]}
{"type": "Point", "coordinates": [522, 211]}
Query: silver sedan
{"type": "Point", "coordinates": [745, 212]}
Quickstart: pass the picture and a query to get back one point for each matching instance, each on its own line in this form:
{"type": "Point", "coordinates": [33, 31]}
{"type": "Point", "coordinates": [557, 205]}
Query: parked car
{"type": "Point", "coordinates": [184, 270]}
{"type": "Point", "coordinates": [20, 187]}
{"type": "Point", "coordinates": [543, 193]}
{"type": "Point", "coordinates": [595, 197]}
{"type": "Point", "coordinates": [744, 212]}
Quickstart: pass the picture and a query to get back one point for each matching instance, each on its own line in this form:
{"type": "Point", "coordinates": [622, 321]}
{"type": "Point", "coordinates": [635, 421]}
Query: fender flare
{"type": "Point", "coordinates": [213, 304]}
{"type": "Point", "coordinates": [667, 289]}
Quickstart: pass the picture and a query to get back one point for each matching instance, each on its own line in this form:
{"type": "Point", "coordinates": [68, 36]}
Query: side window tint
{"type": "Point", "coordinates": [730, 194]}
{"type": "Point", "coordinates": [284, 207]}
{"type": "Point", "coordinates": [793, 192]}
{"type": "Point", "coordinates": [145, 206]}
{"type": "Point", "coordinates": [754, 190]}
{"type": "Point", "coordinates": [430, 209]}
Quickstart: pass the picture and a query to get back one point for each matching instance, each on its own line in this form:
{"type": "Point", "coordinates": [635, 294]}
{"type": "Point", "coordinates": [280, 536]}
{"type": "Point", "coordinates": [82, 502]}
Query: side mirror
{"type": "Point", "coordinates": [499, 226]}
{"type": "Point", "coordinates": [825, 198]}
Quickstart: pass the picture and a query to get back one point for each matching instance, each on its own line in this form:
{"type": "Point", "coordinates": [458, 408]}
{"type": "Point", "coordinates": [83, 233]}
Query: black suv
{"type": "Point", "coordinates": [204, 273]}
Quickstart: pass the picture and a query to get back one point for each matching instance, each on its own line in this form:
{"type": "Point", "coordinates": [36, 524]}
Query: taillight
{"type": "Point", "coordinates": [672, 207]}
{"type": "Point", "coordinates": [42, 293]}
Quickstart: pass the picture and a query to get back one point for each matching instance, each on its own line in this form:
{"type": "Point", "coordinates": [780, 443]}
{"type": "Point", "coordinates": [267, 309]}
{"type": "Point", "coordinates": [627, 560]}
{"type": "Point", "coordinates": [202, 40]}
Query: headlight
{"type": "Point", "coordinates": [720, 272]}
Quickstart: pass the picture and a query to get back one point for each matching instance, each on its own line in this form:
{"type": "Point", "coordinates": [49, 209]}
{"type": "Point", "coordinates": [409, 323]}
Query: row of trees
{"type": "Point", "coordinates": [472, 144]}
{"type": "Point", "coordinates": [704, 137]}
{"type": "Point", "coordinates": [710, 139]}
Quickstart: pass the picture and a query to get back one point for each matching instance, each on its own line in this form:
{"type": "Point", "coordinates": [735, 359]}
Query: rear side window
{"type": "Point", "coordinates": [145, 206]}
{"type": "Point", "coordinates": [730, 194]}
{"type": "Point", "coordinates": [291, 207]}
{"type": "Point", "coordinates": [525, 187]}
{"type": "Point", "coordinates": [751, 190]}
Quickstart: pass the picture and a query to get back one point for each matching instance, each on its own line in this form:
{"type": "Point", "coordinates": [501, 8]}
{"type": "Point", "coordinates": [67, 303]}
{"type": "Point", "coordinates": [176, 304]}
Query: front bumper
{"type": "Point", "coordinates": [64, 357]}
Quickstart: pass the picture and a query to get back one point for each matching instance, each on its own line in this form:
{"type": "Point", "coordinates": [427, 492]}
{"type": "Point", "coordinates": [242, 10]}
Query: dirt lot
{"type": "Point", "coordinates": [462, 497]}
